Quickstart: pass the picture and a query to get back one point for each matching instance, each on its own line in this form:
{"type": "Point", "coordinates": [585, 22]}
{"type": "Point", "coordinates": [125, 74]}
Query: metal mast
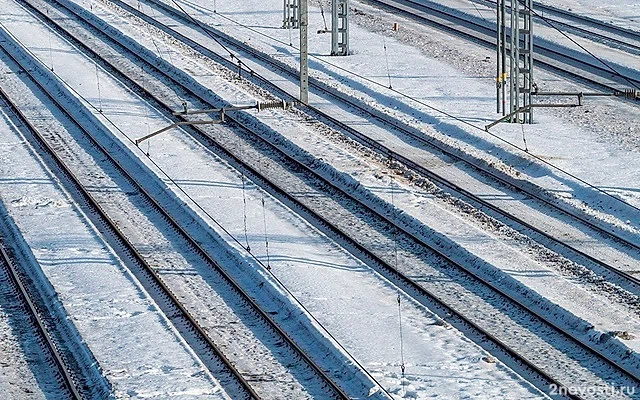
{"type": "Point", "coordinates": [501, 58]}
{"type": "Point", "coordinates": [291, 17]}
{"type": "Point", "coordinates": [304, 52]}
{"type": "Point", "coordinates": [521, 86]}
{"type": "Point", "coordinates": [339, 27]}
{"type": "Point", "coordinates": [521, 66]}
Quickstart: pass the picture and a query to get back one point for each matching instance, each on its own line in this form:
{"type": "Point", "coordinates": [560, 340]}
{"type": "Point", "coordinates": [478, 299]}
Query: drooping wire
{"type": "Point", "coordinates": [50, 45]}
{"type": "Point", "coordinates": [266, 237]}
{"type": "Point", "coordinates": [151, 35]}
{"type": "Point", "coordinates": [146, 109]}
{"type": "Point", "coordinates": [98, 84]}
{"type": "Point", "coordinates": [324, 20]}
{"type": "Point", "coordinates": [402, 365]}
{"type": "Point", "coordinates": [395, 255]}
{"type": "Point", "coordinates": [244, 202]}
{"type": "Point", "coordinates": [244, 199]}
{"type": "Point", "coordinates": [290, 30]}
{"type": "Point", "coordinates": [386, 56]}
{"type": "Point", "coordinates": [162, 37]}
{"type": "Point", "coordinates": [155, 45]}
{"type": "Point", "coordinates": [264, 215]}
{"type": "Point", "coordinates": [395, 231]}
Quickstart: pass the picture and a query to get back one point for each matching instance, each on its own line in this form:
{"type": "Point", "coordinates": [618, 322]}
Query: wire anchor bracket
{"type": "Point", "coordinates": [279, 104]}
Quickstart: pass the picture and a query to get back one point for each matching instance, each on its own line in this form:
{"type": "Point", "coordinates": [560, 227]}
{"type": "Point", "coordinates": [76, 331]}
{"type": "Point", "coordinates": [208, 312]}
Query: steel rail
{"type": "Point", "coordinates": [379, 147]}
{"type": "Point", "coordinates": [283, 194]}
{"type": "Point", "coordinates": [67, 375]}
{"type": "Point", "coordinates": [584, 32]}
{"type": "Point", "coordinates": [544, 56]}
{"type": "Point", "coordinates": [619, 30]}
{"type": "Point", "coordinates": [180, 229]}
{"type": "Point", "coordinates": [110, 223]}
{"type": "Point", "coordinates": [204, 138]}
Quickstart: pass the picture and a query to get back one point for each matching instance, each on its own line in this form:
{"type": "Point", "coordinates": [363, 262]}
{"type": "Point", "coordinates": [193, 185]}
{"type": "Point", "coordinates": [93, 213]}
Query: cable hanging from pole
{"type": "Point", "coordinates": [146, 109]}
{"type": "Point", "coordinates": [98, 85]}
{"type": "Point", "coordinates": [50, 46]}
{"type": "Point", "coordinates": [395, 260]}
{"type": "Point", "coordinates": [244, 202]}
{"type": "Point", "coordinates": [264, 216]}
{"type": "Point", "coordinates": [384, 46]}
{"type": "Point", "coordinates": [402, 365]}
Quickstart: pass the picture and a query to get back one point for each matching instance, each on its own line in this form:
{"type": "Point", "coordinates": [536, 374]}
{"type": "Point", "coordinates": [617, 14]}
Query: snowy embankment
{"type": "Point", "coordinates": [351, 300]}
{"type": "Point", "coordinates": [540, 284]}
{"type": "Point", "coordinates": [125, 337]}
{"type": "Point", "coordinates": [27, 370]}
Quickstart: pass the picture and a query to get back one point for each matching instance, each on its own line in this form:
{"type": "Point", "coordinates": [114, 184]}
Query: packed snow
{"type": "Point", "coordinates": [402, 343]}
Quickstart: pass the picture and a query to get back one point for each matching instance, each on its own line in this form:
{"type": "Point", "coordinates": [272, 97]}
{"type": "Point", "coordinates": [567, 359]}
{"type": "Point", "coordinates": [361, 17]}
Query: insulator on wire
{"type": "Point", "coordinates": [280, 104]}
{"type": "Point", "coordinates": [632, 94]}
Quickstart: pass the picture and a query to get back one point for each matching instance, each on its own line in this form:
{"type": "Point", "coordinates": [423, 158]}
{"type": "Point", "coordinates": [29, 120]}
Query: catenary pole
{"type": "Point", "coordinates": [503, 29]}
{"type": "Point", "coordinates": [498, 47]}
{"type": "Point", "coordinates": [304, 53]}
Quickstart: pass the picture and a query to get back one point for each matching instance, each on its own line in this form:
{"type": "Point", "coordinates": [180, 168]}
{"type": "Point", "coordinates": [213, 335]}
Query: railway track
{"type": "Point", "coordinates": [589, 28]}
{"type": "Point", "coordinates": [581, 68]}
{"type": "Point", "coordinates": [366, 253]}
{"type": "Point", "coordinates": [237, 383]}
{"type": "Point", "coordinates": [66, 376]}
{"type": "Point", "coordinates": [602, 25]}
{"type": "Point", "coordinates": [572, 248]}
{"type": "Point", "coordinates": [111, 225]}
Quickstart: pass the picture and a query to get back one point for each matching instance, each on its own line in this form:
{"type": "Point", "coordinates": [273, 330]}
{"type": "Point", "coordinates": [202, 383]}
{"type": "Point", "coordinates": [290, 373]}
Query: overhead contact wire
{"type": "Point", "coordinates": [214, 220]}
{"type": "Point", "coordinates": [600, 60]}
{"type": "Point", "coordinates": [442, 112]}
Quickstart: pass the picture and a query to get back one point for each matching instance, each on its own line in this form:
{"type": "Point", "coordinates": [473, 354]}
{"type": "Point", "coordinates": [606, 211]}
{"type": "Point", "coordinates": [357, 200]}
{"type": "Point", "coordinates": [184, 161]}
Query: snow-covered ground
{"type": "Point", "coordinates": [26, 370]}
{"type": "Point", "coordinates": [539, 275]}
{"type": "Point", "coordinates": [138, 351]}
{"type": "Point", "coordinates": [625, 13]}
{"type": "Point", "coordinates": [357, 305]}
